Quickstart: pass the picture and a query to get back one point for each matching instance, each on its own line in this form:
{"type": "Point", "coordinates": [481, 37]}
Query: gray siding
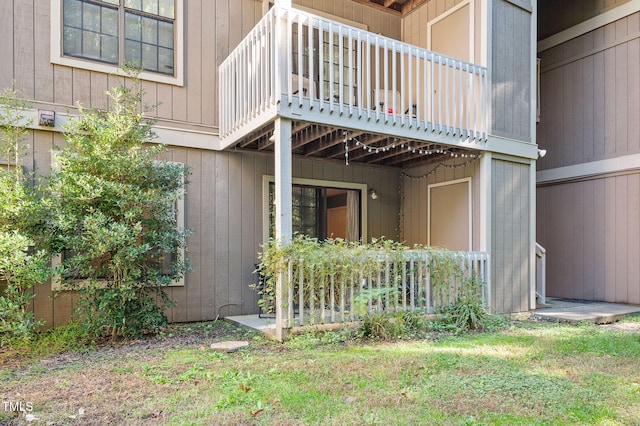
{"type": "Point", "coordinates": [224, 208]}
{"type": "Point", "coordinates": [511, 71]}
{"type": "Point", "coordinates": [590, 96]}
{"type": "Point", "coordinates": [510, 231]}
{"type": "Point", "coordinates": [212, 31]}
{"type": "Point", "coordinates": [591, 230]}
{"type": "Point", "coordinates": [555, 16]}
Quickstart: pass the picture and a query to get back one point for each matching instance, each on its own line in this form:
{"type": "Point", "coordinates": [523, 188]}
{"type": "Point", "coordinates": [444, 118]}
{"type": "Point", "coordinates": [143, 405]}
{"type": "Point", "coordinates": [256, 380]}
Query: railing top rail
{"type": "Point", "coordinates": [327, 23]}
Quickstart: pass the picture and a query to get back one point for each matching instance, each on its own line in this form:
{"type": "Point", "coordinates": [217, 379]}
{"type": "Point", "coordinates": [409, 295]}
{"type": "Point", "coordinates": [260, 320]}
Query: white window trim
{"type": "Point", "coordinates": [267, 179]}
{"type": "Point", "coordinates": [57, 58]}
{"type": "Point", "coordinates": [56, 282]}
{"type": "Point", "coordinates": [470, 214]}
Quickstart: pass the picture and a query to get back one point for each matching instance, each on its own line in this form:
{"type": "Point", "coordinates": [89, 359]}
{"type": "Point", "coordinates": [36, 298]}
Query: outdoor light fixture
{"type": "Point", "coordinates": [373, 194]}
{"type": "Point", "coordinates": [542, 153]}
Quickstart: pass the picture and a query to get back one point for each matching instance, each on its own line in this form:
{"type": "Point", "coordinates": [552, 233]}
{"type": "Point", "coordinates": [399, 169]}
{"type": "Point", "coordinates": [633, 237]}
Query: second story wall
{"type": "Point", "coordinates": [590, 95]}
{"type": "Point", "coordinates": [511, 69]}
{"type": "Point", "coordinates": [211, 30]}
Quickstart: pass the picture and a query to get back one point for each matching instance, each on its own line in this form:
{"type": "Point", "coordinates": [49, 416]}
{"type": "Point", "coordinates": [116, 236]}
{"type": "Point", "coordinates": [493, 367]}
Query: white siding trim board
{"type": "Point", "coordinates": [579, 171]}
{"type": "Point", "coordinates": [589, 25]}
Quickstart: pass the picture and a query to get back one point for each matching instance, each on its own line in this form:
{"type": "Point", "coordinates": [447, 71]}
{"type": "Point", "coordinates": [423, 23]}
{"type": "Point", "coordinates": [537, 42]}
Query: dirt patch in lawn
{"type": "Point", "coordinates": [102, 385]}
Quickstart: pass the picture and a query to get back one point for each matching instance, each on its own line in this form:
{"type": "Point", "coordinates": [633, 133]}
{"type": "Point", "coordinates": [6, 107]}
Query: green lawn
{"type": "Point", "coordinates": [532, 373]}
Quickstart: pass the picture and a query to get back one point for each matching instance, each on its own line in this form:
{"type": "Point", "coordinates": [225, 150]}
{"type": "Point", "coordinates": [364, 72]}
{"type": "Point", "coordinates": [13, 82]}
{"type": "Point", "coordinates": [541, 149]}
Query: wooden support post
{"type": "Point", "coordinates": [284, 223]}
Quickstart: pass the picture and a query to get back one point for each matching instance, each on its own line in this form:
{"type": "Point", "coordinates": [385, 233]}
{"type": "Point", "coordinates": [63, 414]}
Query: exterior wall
{"type": "Point", "coordinates": [590, 96]}
{"type": "Point", "coordinates": [588, 184]}
{"type": "Point", "coordinates": [377, 21]}
{"type": "Point", "coordinates": [510, 235]}
{"type": "Point", "coordinates": [511, 69]}
{"type": "Point", "coordinates": [557, 16]}
{"type": "Point", "coordinates": [224, 208]}
{"type": "Point", "coordinates": [211, 34]}
{"type": "Point", "coordinates": [591, 230]}
{"type": "Point", "coordinates": [416, 195]}
{"type": "Point", "coordinates": [414, 25]}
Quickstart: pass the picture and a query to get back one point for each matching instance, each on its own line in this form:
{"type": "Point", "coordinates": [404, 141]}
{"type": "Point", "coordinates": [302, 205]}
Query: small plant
{"type": "Point", "coordinates": [468, 312]}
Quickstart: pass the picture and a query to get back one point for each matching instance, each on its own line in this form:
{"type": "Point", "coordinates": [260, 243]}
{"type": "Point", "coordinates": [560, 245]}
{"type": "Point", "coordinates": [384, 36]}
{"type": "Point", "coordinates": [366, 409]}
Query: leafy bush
{"type": "Point", "coordinates": [22, 267]}
{"type": "Point", "coordinates": [114, 207]}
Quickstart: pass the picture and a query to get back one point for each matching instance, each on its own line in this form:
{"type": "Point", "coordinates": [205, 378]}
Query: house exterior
{"type": "Point", "coordinates": [355, 119]}
{"type": "Point", "coordinates": [589, 182]}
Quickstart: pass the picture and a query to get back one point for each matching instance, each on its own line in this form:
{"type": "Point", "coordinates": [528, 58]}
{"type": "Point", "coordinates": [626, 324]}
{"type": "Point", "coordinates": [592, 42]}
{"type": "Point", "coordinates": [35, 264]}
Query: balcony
{"type": "Point", "coordinates": [350, 94]}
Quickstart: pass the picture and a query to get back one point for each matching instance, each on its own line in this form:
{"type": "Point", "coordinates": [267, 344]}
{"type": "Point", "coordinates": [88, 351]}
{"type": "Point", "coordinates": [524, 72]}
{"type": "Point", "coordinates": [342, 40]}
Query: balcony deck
{"type": "Point", "coordinates": [351, 94]}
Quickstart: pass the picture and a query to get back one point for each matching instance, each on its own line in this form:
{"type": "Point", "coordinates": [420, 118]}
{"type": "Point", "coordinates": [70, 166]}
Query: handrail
{"type": "Point", "coordinates": [352, 72]}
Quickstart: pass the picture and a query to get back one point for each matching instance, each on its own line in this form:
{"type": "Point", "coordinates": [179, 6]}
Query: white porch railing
{"type": "Point", "coordinates": [413, 282]}
{"type": "Point", "coordinates": [293, 58]}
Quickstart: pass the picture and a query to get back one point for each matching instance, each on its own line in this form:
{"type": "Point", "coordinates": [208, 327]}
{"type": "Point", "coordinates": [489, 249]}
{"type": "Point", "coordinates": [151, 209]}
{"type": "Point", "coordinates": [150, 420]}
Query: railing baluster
{"type": "Point", "coordinates": [351, 87]}
{"type": "Point", "coordinates": [331, 72]}
{"type": "Point", "coordinates": [332, 295]}
{"type": "Point", "coordinates": [377, 105]}
{"type": "Point", "coordinates": [321, 67]}
{"type": "Point", "coordinates": [301, 293]}
{"type": "Point", "coordinates": [300, 66]}
{"type": "Point", "coordinates": [312, 59]}
{"type": "Point", "coordinates": [312, 294]}
{"type": "Point", "coordinates": [341, 97]}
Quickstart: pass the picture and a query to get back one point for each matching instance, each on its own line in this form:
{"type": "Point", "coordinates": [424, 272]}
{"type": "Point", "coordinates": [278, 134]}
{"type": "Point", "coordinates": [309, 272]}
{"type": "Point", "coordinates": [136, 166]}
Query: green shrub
{"type": "Point", "coordinates": [22, 265]}
{"type": "Point", "coordinates": [115, 217]}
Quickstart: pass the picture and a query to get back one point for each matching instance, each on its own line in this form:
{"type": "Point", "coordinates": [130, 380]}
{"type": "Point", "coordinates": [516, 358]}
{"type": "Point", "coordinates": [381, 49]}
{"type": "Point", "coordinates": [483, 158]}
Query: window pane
{"type": "Point", "coordinates": [132, 53]}
{"type": "Point", "coordinates": [90, 45]}
{"type": "Point", "coordinates": [132, 27]}
{"type": "Point", "coordinates": [133, 4]}
{"type": "Point", "coordinates": [165, 60]}
{"type": "Point", "coordinates": [111, 1]}
{"type": "Point", "coordinates": [91, 17]}
{"type": "Point", "coordinates": [72, 13]}
{"type": "Point", "coordinates": [109, 51]}
{"type": "Point", "coordinates": [165, 34]}
{"type": "Point", "coordinates": [166, 8]}
{"type": "Point", "coordinates": [109, 21]}
{"type": "Point", "coordinates": [150, 57]}
{"type": "Point", "coordinates": [149, 31]}
{"type": "Point", "coordinates": [150, 6]}
{"type": "Point", "coordinates": [72, 42]}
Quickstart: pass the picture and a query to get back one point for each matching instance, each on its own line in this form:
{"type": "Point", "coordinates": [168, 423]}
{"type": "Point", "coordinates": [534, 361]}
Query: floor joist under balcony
{"type": "Point", "coordinates": [315, 140]}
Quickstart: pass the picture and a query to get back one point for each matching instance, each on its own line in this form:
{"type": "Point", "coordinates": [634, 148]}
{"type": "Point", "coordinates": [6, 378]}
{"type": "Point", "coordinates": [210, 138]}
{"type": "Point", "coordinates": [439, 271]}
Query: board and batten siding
{"type": "Point", "coordinates": [414, 25]}
{"type": "Point", "coordinates": [416, 196]}
{"type": "Point", "coordinates": [591, 231]}
{"type": "Point", "coordinates": [511, 71]}
{"type": "Point", "coordinates": [510, 231]}
{"type": "Point", "coordinates": [558, 15]}
{"type": "Point", "coordinates": [223, 207]}
{"type": "Point", "coordinates": [590, 96]}
{"type": "Point", "coordinates": [212, 30]}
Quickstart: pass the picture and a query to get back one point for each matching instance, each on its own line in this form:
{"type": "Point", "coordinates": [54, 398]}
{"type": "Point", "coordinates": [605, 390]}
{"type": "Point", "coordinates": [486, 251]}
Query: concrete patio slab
{"type": "Point", "coordinates": [264, 325]}
{"type": "Point", "coordinates": [577, 311]}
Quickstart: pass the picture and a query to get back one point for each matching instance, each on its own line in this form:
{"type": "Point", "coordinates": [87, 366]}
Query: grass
{"type": "Point", "coordinates": [531, 373]}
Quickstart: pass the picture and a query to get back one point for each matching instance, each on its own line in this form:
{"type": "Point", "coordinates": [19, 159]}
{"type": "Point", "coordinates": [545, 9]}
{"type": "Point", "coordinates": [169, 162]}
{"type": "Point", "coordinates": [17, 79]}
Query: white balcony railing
{"type": "Point", "coordinates": [416, 282]}
{"type": "Point", "coordinates": [296, 59]}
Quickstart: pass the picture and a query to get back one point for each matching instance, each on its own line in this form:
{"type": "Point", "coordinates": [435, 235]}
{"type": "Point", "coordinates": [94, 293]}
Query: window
{"type": "Point", "coordinates": [163, 261]}
{"type": "Point", "coordinates": [322, 209]}
{"type": "Point", "coordinates": [103, 35]}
